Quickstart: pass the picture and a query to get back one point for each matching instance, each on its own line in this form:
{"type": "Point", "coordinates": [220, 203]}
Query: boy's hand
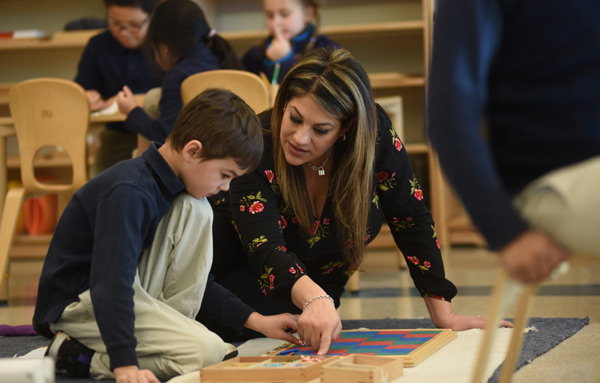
{"type": "Point", "coordinates": [274, 326]}
{"type": "Point", "coordinates": [126, 100]}
{"type": "Point", "coordinates": [280, 46]}
{"type": "Point", "coordinates": [96, 101]}
{"type": "Point", "coordinates": [132, 374]}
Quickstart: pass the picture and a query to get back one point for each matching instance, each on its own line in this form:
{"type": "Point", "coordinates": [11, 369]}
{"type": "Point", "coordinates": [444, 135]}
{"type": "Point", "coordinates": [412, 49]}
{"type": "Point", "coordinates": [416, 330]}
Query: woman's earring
{"type": "Point", "coordinates": [343, 137]}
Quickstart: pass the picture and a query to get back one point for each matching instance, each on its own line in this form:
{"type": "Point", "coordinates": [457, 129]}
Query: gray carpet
{"type": "Point", "coordinates": [550, 332]}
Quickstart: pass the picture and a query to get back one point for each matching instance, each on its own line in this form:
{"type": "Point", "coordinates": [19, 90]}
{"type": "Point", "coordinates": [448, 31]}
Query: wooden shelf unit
{"type": "Point", "coordinates": [391, 38]}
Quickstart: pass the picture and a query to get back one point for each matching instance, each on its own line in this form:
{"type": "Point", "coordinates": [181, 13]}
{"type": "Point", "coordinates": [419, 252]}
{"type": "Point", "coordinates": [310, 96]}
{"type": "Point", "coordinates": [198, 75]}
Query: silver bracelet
{"type": "Point", "coordinates": [311, 300]}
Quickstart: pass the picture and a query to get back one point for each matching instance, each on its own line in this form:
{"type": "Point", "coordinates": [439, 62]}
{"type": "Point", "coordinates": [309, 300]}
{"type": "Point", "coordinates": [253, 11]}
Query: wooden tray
{"type": "Point", "coordinates": [264, 369]}
{"type": "Point", "coordinates": [362, 369]}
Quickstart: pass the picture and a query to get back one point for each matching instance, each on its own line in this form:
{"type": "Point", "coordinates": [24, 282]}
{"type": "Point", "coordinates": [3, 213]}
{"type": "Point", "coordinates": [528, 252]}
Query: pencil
{"type": "Point", "coordinates": [291, 351]}
{"type": "Point", "coordinates": [275, 74]}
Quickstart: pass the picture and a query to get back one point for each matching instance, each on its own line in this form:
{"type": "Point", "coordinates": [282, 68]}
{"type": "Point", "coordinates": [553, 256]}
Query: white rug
{"type": "Point", "coordinates": [453, 363]}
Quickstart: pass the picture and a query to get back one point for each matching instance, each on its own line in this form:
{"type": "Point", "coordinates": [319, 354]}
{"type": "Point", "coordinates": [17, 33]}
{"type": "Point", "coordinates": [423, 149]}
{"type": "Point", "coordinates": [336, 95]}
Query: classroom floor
{"type": "Point", "coordinates": [387, 292]}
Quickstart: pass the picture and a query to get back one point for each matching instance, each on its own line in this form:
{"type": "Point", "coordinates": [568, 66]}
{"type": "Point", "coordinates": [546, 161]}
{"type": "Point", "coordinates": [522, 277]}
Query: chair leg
{"type": "Point", "coordinates": [8, 225]}
{"type": "Point", "coordinates": [504, 293]}
{"type": "Point", "coordinates": [516, 341]}
{"type": "Point", "coordinates": [353, 283]}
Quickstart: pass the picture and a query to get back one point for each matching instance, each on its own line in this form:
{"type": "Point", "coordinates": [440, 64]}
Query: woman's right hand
{"type": "Point", "coordinates": [319, 325]}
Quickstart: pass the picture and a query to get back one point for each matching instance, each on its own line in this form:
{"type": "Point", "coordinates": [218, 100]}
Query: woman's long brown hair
{"type": "Point", "coordinates": [339, 85]}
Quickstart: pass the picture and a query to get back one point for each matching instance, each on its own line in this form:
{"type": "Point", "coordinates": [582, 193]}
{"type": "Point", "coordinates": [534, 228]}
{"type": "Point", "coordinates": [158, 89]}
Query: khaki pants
{"type": "Point", "coordinates": [566, 204]}
{"type": "Point", "coordinates": [169, 287]}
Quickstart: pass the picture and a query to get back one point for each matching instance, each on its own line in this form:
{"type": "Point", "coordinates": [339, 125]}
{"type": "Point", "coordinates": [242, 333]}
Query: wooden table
{"type": "Point", "coordinates": [7, 129]}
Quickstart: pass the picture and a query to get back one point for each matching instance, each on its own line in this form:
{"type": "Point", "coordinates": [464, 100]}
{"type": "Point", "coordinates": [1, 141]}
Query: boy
{"type": "Point", "coordinates": [111, 60]}
{"type": "Point", "coordinates": [128, 265]}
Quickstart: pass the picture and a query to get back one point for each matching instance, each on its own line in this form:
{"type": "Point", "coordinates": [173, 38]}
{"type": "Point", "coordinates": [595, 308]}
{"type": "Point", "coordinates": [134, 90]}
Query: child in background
{"type": "Point", "coordinates": [114, 59]}
{"type": "Point", "coordinates": [292, 34]}
{"type": "Point", "coordinates": [183, 44]}
{"type": "Point", "coordinates": [128, 267]}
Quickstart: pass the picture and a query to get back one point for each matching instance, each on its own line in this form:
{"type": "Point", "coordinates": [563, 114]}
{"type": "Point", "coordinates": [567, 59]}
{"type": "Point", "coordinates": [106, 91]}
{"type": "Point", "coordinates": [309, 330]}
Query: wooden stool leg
{"type": "Point", "coordinates": [10, 217]}
{"type": "Point", "coordinates": [516, 341]}
{"type": "Point", "coordinates": [353, 283]}
{"type": "Point", "coordinates": [503, 295]}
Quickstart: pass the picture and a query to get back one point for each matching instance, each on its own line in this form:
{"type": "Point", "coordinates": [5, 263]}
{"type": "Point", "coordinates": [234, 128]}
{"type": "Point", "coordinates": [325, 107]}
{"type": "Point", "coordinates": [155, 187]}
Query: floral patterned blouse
{"type": "Point", "coordinates": [281, 254]}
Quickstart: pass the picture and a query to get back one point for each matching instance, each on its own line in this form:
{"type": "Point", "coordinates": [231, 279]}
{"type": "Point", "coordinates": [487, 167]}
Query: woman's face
{"type": "Point", "coordinates": [307, 131]}
{"type": "Point", "coordinates": [288, 16]}
{"type": "Point", "coordinates": [128, 25]}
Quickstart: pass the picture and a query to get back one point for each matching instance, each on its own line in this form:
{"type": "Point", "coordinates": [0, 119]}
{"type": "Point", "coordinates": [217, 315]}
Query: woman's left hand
{"type": "Point", "coordinates": [443, 317]}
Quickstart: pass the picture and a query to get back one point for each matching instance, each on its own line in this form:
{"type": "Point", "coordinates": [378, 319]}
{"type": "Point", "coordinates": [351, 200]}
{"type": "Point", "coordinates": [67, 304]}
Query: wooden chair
{"type": "Point", "coordinates": [247, 85]}
{"type": "Point", "coordinates": [46, 113]}
{"type": "Point", "coordinates": [507, 292]}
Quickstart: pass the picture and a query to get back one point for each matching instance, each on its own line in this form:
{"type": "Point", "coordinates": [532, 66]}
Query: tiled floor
{"type": "Point", "coordinates": [387, 292]}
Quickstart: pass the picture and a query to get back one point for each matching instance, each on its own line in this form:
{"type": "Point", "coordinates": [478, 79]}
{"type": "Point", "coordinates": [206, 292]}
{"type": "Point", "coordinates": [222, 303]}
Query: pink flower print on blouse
{"type": "Point", "coordinates": [382, 176]}
{"type": "Point", "coordinates": [415, 189]}
{"type": "Point", "coordinates": [331, 266]}
{"type": "Point", "coordinates": [398, 144]}
{"type": "Point", "coordinates": [270, 175]}
{"type": "Point", "coordinates": [297, 271]}
{"type": "Point", "coordinates": [282, 222]}
{"type": "Point", "coordinates": [313, 231]}
{"type": "Point", "coordinates": [256, 207]}
{"type": "Point", "coordinates": [271, 280]}
{"type": "Point", "coordinates": [401, 224]}
{"type": "Point", "coordinates": [256, 242]}
{"type": "Point", "coordinates": [413, 259]}
{"type": "Point", "coordinates": [385, 181]}
{"type": "Point", "coordinates": [419, 194]}
{"type": "Point", "coordinates": [254, 203]}
{"type": "Point", "coordinates": [318, 231]}
{"type": "Point", "coordinates": [266, 280]}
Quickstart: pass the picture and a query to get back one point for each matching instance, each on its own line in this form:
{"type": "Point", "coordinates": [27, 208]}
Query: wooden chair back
{"type": "Point", "coordinates": [50, 112]}
{"type": "Point", "coordinates": [247, 85]}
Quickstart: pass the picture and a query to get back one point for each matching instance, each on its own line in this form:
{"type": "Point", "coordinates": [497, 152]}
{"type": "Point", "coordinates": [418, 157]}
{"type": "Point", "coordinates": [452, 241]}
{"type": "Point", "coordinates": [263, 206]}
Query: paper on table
{"type": "Point", "coordinates": [112, 109]}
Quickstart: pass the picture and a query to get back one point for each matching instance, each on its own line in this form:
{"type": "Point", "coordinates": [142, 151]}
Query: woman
{"type": "Point", "coordinates": [333, 167]}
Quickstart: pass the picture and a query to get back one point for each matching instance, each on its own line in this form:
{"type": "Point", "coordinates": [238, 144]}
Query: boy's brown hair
{"type": "Point", "coordinates": [224, 124]}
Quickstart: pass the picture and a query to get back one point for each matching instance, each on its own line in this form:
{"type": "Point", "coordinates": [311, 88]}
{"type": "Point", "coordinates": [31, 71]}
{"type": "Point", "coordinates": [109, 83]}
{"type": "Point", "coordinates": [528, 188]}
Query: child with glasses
{"type": "Point", "coordinates": [111, 60]}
